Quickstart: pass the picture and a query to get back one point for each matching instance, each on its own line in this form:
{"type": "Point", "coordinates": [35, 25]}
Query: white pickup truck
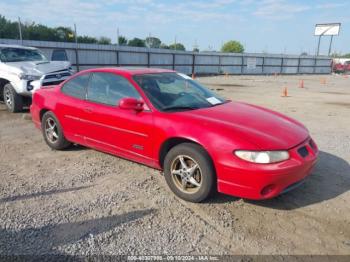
{"type": "Point", "coordinates": [25, 69]}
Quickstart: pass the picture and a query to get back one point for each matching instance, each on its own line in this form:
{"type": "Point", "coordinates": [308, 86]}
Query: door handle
{"type": "Point", "coordinates": [88, 110]}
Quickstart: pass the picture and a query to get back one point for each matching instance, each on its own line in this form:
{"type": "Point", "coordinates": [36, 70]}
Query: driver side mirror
{"type": "Point", "coordinates": [131, 103]}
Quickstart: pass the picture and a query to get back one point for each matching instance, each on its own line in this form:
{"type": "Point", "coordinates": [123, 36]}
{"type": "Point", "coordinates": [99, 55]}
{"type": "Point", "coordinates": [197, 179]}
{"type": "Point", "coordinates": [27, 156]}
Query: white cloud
{"type": "Point", "coordinates": [279, 9]}
{"type": "Point", "coordinates": [330, 5]}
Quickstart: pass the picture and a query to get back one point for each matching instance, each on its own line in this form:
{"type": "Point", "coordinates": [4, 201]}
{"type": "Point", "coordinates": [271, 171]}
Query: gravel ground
{"type": "Point", "coordinates": [84, 202]}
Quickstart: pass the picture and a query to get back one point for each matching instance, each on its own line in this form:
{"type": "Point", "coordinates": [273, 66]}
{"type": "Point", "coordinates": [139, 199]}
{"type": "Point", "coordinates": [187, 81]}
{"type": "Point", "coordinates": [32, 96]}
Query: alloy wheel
{"type": "Point", "coordinates": [186, 174]}
{"type": "Point", "coordinates": [8, 98]}
{"type": "Point", "coordinates": [51, 130]}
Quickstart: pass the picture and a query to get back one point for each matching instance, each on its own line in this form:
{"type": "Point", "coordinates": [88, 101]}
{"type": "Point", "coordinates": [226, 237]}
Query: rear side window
{"type": "Point", "coordinates": [108, 88]}
{"type": "Point", "coordinates": [59, 55]}
{"type": "Point", "coordinates": [76, 87]}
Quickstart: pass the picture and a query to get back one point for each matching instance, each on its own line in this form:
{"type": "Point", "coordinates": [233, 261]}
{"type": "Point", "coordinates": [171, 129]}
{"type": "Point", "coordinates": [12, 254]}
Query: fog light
{"type": "Point", "coordinates": [267, 190]}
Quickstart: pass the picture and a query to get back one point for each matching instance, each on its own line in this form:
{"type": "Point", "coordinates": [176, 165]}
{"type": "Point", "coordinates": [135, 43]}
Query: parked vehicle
{"type": "Point", "coordinates": [167, 121]}
{"type": "Point", "coordinates": [23, 70]}
{"type": "Point", "coordinates": [341, 66]}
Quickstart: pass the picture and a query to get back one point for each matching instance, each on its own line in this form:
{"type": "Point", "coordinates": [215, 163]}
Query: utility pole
{"type": "Point", "coordinates": [175, 43]}
{"type": "Point", "coordinates": [149, 40]}
{"type": "Point", "coordinates": [195, 45]}
{"type": "Point", "coordinates": [76, 47]}
{"type": "Point", "coordinates": [20, 30]}
{"type": "Point", "coordinates": [118, 36]}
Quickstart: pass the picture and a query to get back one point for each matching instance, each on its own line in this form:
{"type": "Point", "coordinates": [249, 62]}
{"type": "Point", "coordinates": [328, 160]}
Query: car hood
{"type": "Point", "coordinates": [262, 127]}
{"type": "Point", "coordinates": [39, 67]}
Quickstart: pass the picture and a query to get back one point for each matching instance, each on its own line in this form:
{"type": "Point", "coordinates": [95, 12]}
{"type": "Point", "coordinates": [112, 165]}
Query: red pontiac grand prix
{"type": "Point", "coordinates": [167, 121]}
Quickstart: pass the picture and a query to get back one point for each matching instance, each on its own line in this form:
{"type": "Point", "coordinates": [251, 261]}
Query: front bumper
{"type": "Point", "coordinates": [263, 181]}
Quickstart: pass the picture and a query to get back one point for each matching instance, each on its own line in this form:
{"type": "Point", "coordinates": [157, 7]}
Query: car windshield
{"type": "Point", "coordinates": [12, 54]}
{"type": "Point", "coordinates": [176, 92]}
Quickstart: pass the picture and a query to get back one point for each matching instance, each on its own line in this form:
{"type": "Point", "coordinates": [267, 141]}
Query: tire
{"type": "Point", "coordinates": [52, 132]}
{"type": "Point", "coordinates": [204, 174]}
{"type": "Point", "coordinates": [13, 101]}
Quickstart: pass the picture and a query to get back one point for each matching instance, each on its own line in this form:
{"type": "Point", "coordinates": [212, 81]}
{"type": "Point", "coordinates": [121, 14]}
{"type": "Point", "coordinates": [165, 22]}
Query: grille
{"type": "Point", "coordinates": [303, 151]}
{"type": "Point", "coordinates": [52, 83]}
{"type": "Point", "coordinates": [56, 75]}
{"type": "Point", "coordinates": [55, 78]}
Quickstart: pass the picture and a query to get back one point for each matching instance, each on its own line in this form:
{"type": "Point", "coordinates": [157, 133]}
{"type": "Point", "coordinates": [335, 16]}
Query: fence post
{"type": "Point", "coordinates": [174, 61]}
{"type": "Point", "coordinates": [314, 70]}
{"type": "Point", "coordinates": [76, 58]}
{"type": "Point", "coordinates": [193, 63]}
{"type": "Point", "coordinates": [298, 70]}
{"type": "Point", "coordinates": [117, 53]}
{"type": "Point", "coordinates": [148, 59]}
{"type": "Point", "coordinates": [263, 65]}
{"type": "Point", "coordinates": [281, 71]}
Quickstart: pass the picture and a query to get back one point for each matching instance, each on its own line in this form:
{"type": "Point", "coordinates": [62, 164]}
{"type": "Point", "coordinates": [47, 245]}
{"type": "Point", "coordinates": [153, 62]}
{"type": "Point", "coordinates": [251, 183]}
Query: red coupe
{"type": "Point", "coordinates": [167, 121]}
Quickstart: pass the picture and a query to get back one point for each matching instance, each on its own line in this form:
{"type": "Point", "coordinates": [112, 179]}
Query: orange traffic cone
{"type": "Point", "coordinates": [285, 92]}
{"type": "Point", "coordinates": [323, 81]}
{"type": "Point", "coordinates": [301, 83]}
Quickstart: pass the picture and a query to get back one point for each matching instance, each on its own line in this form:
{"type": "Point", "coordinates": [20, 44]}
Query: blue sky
{"type": "Point", "coordinates": [274, 26]}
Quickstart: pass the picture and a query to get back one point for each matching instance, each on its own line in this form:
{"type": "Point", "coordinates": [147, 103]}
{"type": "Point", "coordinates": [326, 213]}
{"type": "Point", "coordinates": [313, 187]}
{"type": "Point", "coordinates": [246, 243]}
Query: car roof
{"type": "Point", "coordinates": [17, 46]}
{"type": "Point", "coordinates": [130, 70]}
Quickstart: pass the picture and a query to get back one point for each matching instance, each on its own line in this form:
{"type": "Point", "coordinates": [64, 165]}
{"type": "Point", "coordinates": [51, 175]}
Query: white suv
{"type": "Point", "coordinates": [25, 69]}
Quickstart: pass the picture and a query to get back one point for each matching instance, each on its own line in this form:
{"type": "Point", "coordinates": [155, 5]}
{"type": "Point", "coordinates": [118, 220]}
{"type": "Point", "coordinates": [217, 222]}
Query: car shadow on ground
{"type": "Point", "coordinates": [38, 194]}
{"type": "Point", "coordinates": [46, 239]}
{"type": "Point", "coordinates": [329, 179]}
{"type": "Point", "coordinates": [76, 147]}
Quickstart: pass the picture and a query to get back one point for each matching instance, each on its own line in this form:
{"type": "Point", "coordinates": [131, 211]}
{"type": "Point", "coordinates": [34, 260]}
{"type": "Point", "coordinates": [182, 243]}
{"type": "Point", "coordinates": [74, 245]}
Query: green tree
{"type": "Point", "coordinates": [232, 47]}
{"type": "Point", "coordinates": [104, 41]}
{"type": "Point", "coordinates": [8, 29]}
{"type": "Point", "coordinates": [87, 39]}
{"type": "Point", "coordinates": [65, 34]}
{"type": "Point", "coordinates": [346, 55]}
{"type": "Point", "coordinates": [163, 46]}
{"type": "Point", "coordinates": [153, 42]}
{"type": "Point", "coordinates": [137, 42]}
{"type": "Point", "coordinates": [33, 31]}
{"type": "Point", "coordinates": [196, 49]}
{"type": "Point", "coordinates": [177, 46]}
{"type": "Point", "coordinates": [122, 40]}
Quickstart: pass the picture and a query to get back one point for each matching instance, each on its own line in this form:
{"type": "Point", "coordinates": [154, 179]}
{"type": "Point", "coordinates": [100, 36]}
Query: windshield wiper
{"type": "Point", "coordinates": [169, 108]}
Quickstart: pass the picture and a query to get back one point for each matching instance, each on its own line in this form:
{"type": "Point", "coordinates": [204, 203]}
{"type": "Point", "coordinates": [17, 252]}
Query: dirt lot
{"type": "Point", "coordinates": [81, 201]}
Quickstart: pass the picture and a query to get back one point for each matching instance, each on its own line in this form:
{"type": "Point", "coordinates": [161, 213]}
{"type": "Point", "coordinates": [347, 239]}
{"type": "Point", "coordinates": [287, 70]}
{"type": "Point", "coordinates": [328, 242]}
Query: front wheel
{"type": "Point", "coordinates": [189, 172]}
{"type": "Point", "coordinates": [52, 132]}
{"type": "Point", "coordinates": [13, 101]}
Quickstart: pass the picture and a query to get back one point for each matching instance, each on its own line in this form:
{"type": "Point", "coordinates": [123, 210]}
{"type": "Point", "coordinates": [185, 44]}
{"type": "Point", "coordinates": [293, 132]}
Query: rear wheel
{"type": "Point", "coordinates": [13, 101]}
{"type": "Point", "coordinates": [189, 172]}
{"type": "Point", "coordinates": [52, 132]}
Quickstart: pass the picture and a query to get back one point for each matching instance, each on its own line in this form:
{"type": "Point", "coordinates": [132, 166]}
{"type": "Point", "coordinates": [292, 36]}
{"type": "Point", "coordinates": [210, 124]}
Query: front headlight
{"type": "Point", "coordinates": [29, 77]}
{"type": "Point", "coordinates": [262, 157]}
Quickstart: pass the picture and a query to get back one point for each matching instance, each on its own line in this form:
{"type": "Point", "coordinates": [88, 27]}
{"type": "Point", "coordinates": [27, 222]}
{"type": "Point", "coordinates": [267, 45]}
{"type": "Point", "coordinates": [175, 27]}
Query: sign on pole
{"type": "Point", "coordinates": [330, 29]}
{"type": "Point", "coordinates": [327, 29]}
